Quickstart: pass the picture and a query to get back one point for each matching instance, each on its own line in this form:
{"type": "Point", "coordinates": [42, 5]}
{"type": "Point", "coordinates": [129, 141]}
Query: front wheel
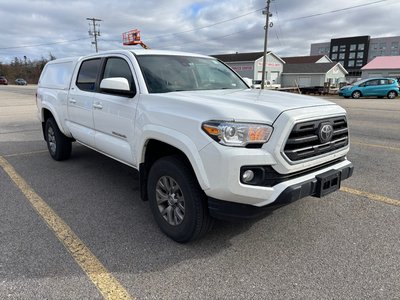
{"type": "Point", "coordinates": [58, 144]}
{"type": "Point", "coordinates": [178, 204]}
{"type": "Point", "coordinates": [392, 95]}
{"type": "Point", "coordinates": [356, 95]}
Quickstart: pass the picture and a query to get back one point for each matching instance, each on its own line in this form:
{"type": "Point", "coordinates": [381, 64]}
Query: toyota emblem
{"type": "Point", "coordinates": [325, 133]}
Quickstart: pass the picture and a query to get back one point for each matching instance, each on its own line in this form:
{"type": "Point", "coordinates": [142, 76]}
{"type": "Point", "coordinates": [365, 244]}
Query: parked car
{"type": "Point", "coordinates": [268, 85]}
{"type": "Point", "coordinates": [3, 80]}
{"type": "Point", "coordinates": [378, 87]}
{"type": "Point", "coordinates": [20, 81]}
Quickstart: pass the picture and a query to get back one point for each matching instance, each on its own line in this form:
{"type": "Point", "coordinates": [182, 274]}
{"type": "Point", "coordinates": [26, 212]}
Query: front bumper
{"type": "Point", "coordinates": [221, 209]}
{"type": "Point", "coordinates": [344, 93]}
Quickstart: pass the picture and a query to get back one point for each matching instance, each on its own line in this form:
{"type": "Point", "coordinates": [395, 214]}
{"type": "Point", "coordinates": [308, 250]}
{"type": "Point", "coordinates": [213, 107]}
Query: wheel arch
{"type": "Point", "coordinates": [45, 114]}
{"type": "Point", "coordinates": [394, 91]}
{"type": "Point", "coordinates": [159, 145]}
{"type": "Point", "coordinates": [48, 111]}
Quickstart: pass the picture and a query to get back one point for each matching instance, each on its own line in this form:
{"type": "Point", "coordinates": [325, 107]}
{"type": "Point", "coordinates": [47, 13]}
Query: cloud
{"type": "Point", "coordinates": [207, 27]}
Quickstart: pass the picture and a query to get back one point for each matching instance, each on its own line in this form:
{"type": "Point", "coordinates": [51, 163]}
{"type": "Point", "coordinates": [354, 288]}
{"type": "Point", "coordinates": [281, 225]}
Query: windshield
{"type": "Point", "coordinates": [166, 73]}
{"type": "Point", "coordinates": [359, 82]}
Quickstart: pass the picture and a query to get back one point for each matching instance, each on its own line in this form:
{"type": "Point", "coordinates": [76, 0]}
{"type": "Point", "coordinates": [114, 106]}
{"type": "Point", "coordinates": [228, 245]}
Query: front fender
{"type": "Point", "coordinates": [177, 140]}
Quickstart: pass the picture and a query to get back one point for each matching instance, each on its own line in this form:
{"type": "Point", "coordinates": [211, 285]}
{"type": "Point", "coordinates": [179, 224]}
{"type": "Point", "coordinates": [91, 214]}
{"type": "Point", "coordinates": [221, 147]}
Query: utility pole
{"type": "Point", "coordinates": [94, 32]}
{"type": "Point", "coordinates": [267, 15]}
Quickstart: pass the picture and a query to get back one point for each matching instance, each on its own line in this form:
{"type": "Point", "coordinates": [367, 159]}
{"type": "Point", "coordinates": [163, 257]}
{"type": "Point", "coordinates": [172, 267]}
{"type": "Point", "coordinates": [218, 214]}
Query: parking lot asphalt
{"type": "Point", "coordinates": [343, 246]}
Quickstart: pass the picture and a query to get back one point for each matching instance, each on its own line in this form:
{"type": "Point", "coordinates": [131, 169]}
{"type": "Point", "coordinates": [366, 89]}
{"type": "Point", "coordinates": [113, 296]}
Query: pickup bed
{"type": "Point", "coordinates": [205, 145]}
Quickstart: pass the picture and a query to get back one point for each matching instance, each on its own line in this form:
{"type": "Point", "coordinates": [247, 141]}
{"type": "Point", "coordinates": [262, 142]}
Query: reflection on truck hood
{"type": "Point", "coordinates": [240, 105]}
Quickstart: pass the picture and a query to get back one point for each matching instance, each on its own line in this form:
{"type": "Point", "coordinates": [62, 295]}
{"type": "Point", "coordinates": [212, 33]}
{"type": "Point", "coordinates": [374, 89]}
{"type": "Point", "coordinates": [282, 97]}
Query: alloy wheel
{"type": "Point", "coordinates": [170, 200]}
{"type": "Point", "coordinates": [51, 138]}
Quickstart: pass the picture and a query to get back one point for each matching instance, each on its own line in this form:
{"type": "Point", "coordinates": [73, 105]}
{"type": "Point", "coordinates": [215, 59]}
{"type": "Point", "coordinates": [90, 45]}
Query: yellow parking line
{"type": "Point", "coordinates": [25, 153]}
{"type": "Point", "coordinates": [370, 196]}
{"type": "Point", "coordinates": [376, 146]}
{"type": "Point", "coordinates": [105, 282]}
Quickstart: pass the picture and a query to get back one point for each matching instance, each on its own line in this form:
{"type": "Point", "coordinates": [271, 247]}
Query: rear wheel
{"type": "Point", "coordinates": [356, 95]}
{"type": "Point", "coordinates": [178, 204]}
{"type": "Point", "coordinates": [392, 95]}
{"type": "Point", "coordinates": [58, 144]}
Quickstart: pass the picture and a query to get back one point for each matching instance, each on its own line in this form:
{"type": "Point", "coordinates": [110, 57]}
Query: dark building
{"type": "Point", "coordinates": [351, 52]}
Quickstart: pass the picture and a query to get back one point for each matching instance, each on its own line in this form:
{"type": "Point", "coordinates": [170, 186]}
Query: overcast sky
{"type": "Point", "coordinates": [34, 28]}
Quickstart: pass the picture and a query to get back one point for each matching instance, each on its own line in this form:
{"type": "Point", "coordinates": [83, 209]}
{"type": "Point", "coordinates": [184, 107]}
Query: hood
{"type": "Point", "coordinates": [240, 105]}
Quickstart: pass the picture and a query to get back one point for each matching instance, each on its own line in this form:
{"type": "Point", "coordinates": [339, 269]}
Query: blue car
{"type": "Point", "coordinates": [371, 87]}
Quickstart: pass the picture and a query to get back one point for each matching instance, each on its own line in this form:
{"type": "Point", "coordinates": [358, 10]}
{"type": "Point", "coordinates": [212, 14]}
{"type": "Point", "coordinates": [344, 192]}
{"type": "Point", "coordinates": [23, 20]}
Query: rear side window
{"type": "Point", "coordinates": [57, 75]}
{"type": "Point", "coordinates": [86, 80]}
{"type": "Point", "coordinates": [384, 82]}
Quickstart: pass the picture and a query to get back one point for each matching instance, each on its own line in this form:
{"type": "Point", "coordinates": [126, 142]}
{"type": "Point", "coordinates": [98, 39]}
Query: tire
{"type": "Point", "coordinates": [392, 95]}
{"type": "Point", "coordinates": [58, 144]}
{"type": "Point", "coordinates": [178, 204]}
{"type": "Point", "coordinates": [356, 95]}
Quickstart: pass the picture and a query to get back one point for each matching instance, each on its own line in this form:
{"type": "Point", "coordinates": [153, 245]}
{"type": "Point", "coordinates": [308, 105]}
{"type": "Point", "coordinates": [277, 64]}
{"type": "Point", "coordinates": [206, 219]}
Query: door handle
{"type": "Point", "coordinates": [98, 105]}
{"type": "Point", "coordinates": [73, 101]}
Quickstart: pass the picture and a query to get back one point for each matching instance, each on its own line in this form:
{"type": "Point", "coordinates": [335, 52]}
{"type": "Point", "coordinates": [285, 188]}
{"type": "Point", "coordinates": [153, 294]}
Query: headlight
{"type": "Point", "coordinates": [237, 134]}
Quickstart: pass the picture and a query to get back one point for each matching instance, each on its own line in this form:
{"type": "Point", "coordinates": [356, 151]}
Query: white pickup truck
{"type": "Point", "coordinates": [206, 145]}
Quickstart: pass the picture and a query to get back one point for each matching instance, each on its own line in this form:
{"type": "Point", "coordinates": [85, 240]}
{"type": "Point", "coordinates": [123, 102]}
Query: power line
{"type": "Point", "coordinates": [335, 11]}
{"type": "Point", "coordinates": [45, 44]}
{"type": "Point", "coordinates": [212, 39]}
{"type": "Point", "coordinates": [211, 25]}
{"type": "Point", "coordinates": [303, 17]}
{"type": "Point", "coordinates": [196, 28]}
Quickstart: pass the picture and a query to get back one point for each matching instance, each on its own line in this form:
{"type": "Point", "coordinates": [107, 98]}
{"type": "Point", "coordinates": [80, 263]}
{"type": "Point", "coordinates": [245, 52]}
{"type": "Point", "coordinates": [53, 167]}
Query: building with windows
{"type": "Point", "coordinates": [313, 74]}
{"type": "Point", "coordinates": [355, 52]}
{"type": "Point", "coordinates": [250, 65]}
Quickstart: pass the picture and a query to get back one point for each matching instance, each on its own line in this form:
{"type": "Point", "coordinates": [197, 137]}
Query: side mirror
{"type": "Point", "coordinates": [115, 84]}
{"type": "Point", "coordinates": [248, 81]}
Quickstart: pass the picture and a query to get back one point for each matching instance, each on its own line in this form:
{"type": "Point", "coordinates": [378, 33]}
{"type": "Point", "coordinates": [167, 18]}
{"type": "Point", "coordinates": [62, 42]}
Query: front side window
{"type": "Point", "coordinates": [87, 75]}
{"type": "Point", "coordinates": [169, 73]}
{"type": "Point", "coordinates": [118, 67]}
{"type": "Point", "coordinates": [372, 82]}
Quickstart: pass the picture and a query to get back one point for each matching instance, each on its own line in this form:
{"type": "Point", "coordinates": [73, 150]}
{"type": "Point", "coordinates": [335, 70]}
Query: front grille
{"type": "Point", "coordinates": [305, 142]}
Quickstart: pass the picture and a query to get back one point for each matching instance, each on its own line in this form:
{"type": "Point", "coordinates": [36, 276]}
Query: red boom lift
{"type": "Point", "coordinates": [132, 37]}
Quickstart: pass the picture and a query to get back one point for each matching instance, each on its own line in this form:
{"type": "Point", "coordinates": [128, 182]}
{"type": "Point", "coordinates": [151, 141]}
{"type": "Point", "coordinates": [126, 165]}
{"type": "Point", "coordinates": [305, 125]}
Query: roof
{"type": "Point", "coordinates": [309, 68]}
{"type": "Point", "coordinates": [302, 59]}
{"type": "Point", "coordinates": [383, 62]}
{"type": "Point", "coordinates": [252, 56]}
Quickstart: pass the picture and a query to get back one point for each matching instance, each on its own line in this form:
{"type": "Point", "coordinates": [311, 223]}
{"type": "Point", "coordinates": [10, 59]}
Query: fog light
{"type": "Point", "coordinates": [247, 176]}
